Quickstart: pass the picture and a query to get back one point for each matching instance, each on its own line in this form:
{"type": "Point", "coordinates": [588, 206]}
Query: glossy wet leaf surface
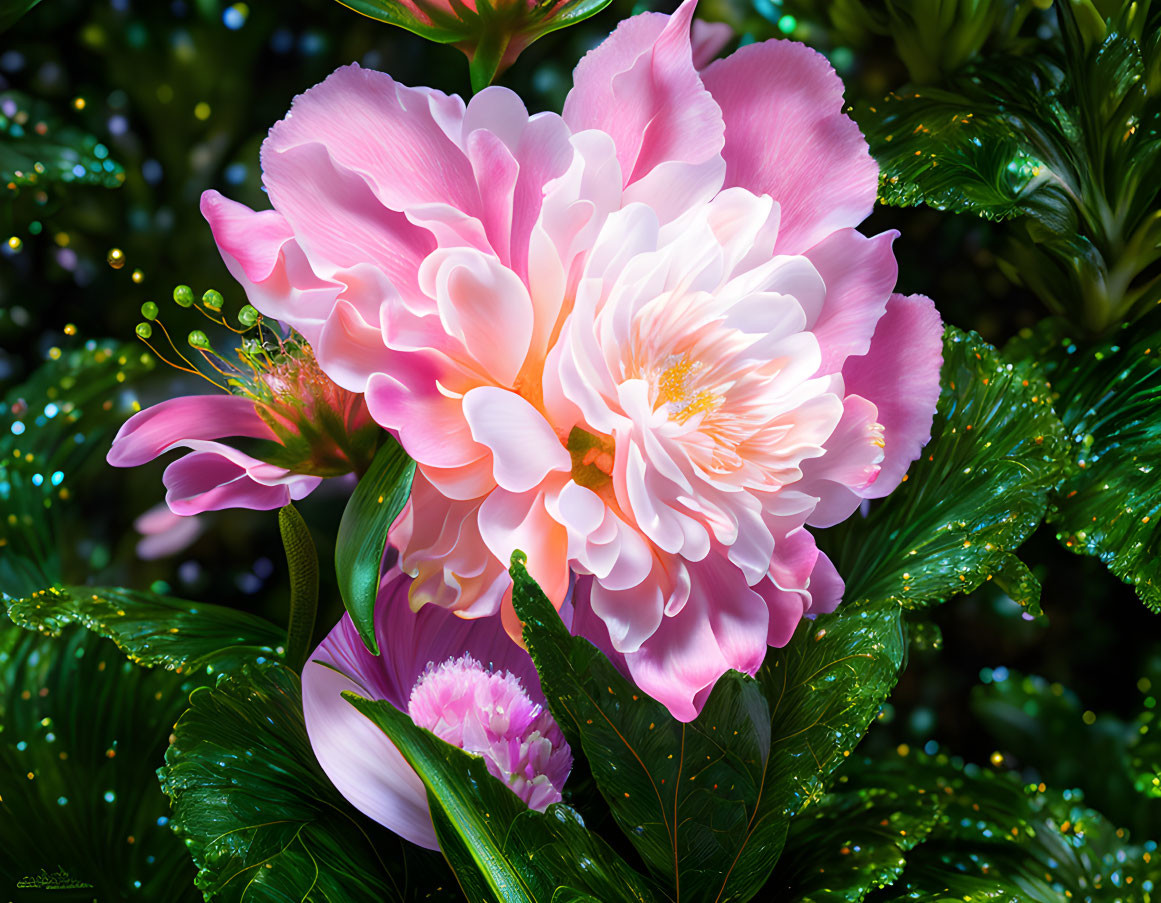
{"type": "Point", "coordinates": [997, 839]}
{"type": "Point", "coordinates": [1109, 399]}
{"type": "Point", "coordinates": [155, 630]}
{"type": "Point", "coordinates": [377, 500]}
{"type": "Point", "coordinates": [976, 493]}
{"type": "Point", "coordinates": [500, 849]}
{"type": "Point", "coordinates": [81, 732]}
{"type": "Point", "coordinates": [52, 428]}
{"type": "Point", "coordinates": [707, 803]}
{"type": "Point", "coordinates": [259, 816]}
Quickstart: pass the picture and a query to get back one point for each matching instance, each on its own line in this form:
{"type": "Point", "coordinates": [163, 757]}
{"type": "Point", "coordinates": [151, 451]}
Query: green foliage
{"type": "Point", "coordinates": [38, 149]}
{"type": "Point", "coordinates": [976, 493]}
{"type": "Point", "coordinates": [376, 502]}
{"type": "Point", "coordinates": [499, 848]}
{"type": "Point", "coordinates": [81, 730]}
{"type": "Point", "coordinates": [1066, 138]}
{"type": "Point", "coordinates": [1032, 720]}
{"type": "Point", "coordinates": [49, 429]}
{"type": "Point", "coordinates": [11, 10]}
{"type": "Point", "coordinates": [934, 38]}
{"type": "Point", "coordinates": [707, 803]}
{"type": "Point", "coordinates": [302, 559]}
{"type": "Point", "coordinates": [998, 840]}
{"type": "Point", "coordinates": [154, 630]}
{"type": "Point", "coordinates": [259, 816]}
{"type": "Point", "coordinates": [1109, 505]}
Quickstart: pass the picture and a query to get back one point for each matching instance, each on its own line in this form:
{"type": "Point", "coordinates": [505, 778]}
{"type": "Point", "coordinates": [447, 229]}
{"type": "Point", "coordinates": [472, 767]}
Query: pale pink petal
{"type": "Point", "coordinates": [900, 375]}
{"type": "Point", "coordinates": [350, 350]}
{"type": "Point", "coordinates": [524, 447]}
{"type": "Point", "coordinates": [164, 533]}
{"type": "Point", "coordinates": [722, 626]}
{"type": "Point", "coordinates": [826, 587]}
{"type": "Point", "coordinates": [787, 136]}
{"type": "Point", "coordinates": [260, 251]}
{"type": "Point", "coordinates": [357, 756]}
{"type": "Point", "coordinates": [157, 429]}
{"type": "Point", "coordinates": [430, 425]}
{"type": "Point", "coordinates": [859, 274]}
{"type": "Point", "coordinates": [854, 455]}
{"type": "Point", "coordinates": [398, 140]}
{"type": "Point", "coordinates": [518, 521]}
{"type": "Point", "coordinates": [641, 87]}
{"type": "Point", "coordinates": [215, 476]}
{"type": "Point", "coordinates": [708, 39]}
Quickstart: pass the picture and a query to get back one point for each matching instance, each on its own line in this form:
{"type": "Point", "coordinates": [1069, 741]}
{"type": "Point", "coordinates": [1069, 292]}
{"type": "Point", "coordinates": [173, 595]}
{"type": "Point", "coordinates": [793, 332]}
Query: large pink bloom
{"type": "Point", "coordinates": [465, 681]}
{"type": "Point", "coordinates": [642, 341]}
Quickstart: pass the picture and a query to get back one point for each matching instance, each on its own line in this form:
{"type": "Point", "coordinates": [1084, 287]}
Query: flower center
{"type": "Point", "coordinates": [592, 459]}
{"type": "Point", "coordinates": [489, 714]}
{"type": "Point", "coordinates": [677, 389]}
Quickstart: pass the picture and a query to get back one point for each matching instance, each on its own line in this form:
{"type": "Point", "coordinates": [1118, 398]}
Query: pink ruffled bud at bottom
{"type": "Point", "coordinates": [487, 713]}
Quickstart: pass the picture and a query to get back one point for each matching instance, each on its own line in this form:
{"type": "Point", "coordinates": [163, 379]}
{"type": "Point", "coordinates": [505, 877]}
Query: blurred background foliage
{"type": "Point", "coordinates": [138, 107]}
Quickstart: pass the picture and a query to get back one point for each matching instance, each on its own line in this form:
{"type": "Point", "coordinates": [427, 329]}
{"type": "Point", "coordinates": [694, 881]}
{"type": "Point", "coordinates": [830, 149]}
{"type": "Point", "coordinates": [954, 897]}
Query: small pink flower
{"type": "Point", "coordinates": [465, 681]}
{"type": "Point", "coordinates": [642, 342]}
{"type": "Point", "coordinates": [309, 428]}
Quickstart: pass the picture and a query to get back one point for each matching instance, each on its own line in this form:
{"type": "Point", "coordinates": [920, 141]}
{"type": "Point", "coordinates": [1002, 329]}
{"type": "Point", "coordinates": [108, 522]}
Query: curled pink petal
{"type": "Point", "coordinates": [157, 429]}
{"type": "Point", "coordinates": [900, 374]}
{"type": "Point", "coordinates": [164, 533]}
{"type": "Point", "coordinates": [215, 476]}
{"type": "Point", "coordinates": [787, 136]}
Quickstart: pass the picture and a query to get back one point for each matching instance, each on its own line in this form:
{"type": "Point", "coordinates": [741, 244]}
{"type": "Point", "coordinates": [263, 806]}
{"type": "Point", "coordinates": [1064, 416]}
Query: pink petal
{"type": "Point", "coordinates": [216, 476]}
{"type": "Point", "coordinates": [510, 521]}
{"type": "Point", "coordinates": [786, 136]}
{"type": "Point", "coordinates": [524, 447]}
{"type": "Point", "coordinates": [260, 252]}
{"type": "Point", "coordinates": [707, 40]}
{"type": "Point", "coordinates": [852, 463]}
{"type": "Point", "coordinates": [396, 139]}
{"type": "Point", "coordinates": [900, 375]}
{"type": "Point", "coordinates": [860, 274]}
{"type": "Point", "coordinates": [350, 350]}
{"type": "Point", "coordinates": [722, 626]}
{"type": "Point", "coordinates": [640, 86]}
{"type": "Point", "coordinates": [826, 587]}
{"type": "Point", "coordinates": [430, 425]}
{"type": "Point", "coordinates": [159, 428]}
{"type": "Point", "coordinates": [164, 533]}
{"type": "Point", "coordinates": [358, 758]}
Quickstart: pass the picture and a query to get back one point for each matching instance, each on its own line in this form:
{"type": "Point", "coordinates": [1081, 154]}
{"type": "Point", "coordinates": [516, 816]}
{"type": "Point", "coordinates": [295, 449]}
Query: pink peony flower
{"type": "Point", "coordinates": [642, 341]}
{"type": "Point", "coordinates": [308, 427]}
{"type": "Point", "coordinates": [433, 667]}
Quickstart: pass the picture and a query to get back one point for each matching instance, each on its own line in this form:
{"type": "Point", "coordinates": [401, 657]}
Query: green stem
{"type": "Point", "coordinates": [302, 559]}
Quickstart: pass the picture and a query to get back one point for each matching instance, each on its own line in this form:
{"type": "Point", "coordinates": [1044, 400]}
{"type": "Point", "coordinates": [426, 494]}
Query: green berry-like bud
{"type": "Point", "coordinates": [144, 330]}
{"type": "Point", "coordinates": [248, 316]}
{"type": "Point", "coordinates": [183, 295]}
{"type": "Point", "coordinates": [149, 310]}
{"type": "Point", "coordinates": [213, 299]}
{"type": "Point", "coordinates": [198, 339]}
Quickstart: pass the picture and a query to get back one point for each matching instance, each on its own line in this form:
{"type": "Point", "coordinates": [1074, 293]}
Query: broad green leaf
{"type": "Point", "coordinates": [1109, 399]}
{"type": "Point", "coordinates": [500, 849]}
{"type": "Point", "coordinates": [154, 630]}
{"type": "Point", "coordinates": [376, 502]}
{"type": "Point", "coordinates": [49, 429]}
{"type": "Point", "coordinates": [855, 838]}
{"type": "Point", "coordinates": [998, 840]}
{"type": "Point", "coordinates": [81, 731]}
{"type": "Point", "coordinates": [36, 148]}
{"type": "Point", "coordinates": [261, 819]}
{"type": "Point", "coordinates": [707, 803]}
{"type": "Point", "coordinates": [976, 493]}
